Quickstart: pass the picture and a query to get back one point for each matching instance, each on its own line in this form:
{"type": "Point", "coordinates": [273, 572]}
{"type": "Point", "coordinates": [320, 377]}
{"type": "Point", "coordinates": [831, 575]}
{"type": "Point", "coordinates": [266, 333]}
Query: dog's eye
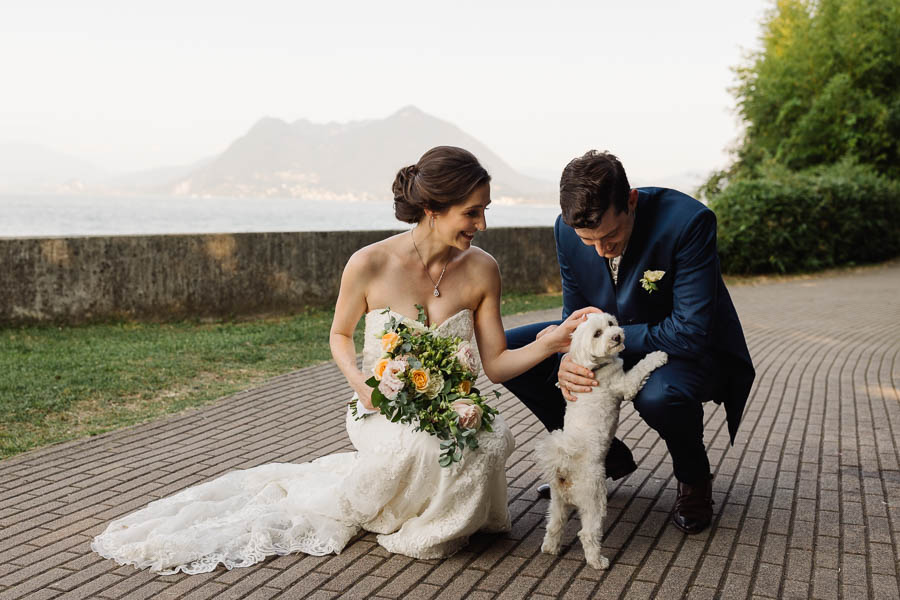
{"type": "Point", "coordinates": [598, 333]}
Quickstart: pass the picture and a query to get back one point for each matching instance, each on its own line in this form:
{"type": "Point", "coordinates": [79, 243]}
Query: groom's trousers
{"type": "Point", "coordinates": [670, 402]}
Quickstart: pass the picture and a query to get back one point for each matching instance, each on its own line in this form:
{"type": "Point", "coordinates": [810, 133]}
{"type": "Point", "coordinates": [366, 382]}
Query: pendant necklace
{"type": "Point", "coordinates": [435, 284]}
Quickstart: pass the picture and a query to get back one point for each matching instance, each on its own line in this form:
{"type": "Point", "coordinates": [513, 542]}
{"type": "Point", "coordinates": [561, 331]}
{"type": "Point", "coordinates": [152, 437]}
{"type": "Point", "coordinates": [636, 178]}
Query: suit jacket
{"type": "Point", "coordinates": [690, 315]}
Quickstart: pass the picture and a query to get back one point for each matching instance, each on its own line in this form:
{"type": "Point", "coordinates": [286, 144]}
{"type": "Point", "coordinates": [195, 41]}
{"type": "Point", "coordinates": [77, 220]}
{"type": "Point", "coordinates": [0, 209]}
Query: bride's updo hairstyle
{"type": "Point", "coordinates": [443, 177]}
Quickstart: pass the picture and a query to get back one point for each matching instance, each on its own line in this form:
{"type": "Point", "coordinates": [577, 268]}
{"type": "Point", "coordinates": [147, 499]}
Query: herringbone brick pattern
{"type": "Point", "coordinates": [807, 501]}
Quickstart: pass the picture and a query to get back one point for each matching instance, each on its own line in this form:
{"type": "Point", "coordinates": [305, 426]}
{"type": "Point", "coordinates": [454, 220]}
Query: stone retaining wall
{"type": "Point", "coordinates": [168, 277]}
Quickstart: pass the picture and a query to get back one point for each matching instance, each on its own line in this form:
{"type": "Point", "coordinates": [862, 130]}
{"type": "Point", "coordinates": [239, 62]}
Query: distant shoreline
{"type": "Point", "coordinates": [75, 215]}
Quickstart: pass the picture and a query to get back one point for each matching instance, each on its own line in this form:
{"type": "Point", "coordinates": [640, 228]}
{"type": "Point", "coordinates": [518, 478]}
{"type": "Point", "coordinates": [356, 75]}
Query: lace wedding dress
{"type": "Point", "coordinates": [392, 485]}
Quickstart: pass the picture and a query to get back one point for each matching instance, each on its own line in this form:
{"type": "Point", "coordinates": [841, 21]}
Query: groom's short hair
{"type": "Point", "coordinates": [589, 185]}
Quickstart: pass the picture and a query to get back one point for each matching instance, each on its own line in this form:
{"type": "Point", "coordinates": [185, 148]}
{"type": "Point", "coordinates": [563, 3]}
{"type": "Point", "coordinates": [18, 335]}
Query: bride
{"type": "Point", "coordinates": [392, 485]}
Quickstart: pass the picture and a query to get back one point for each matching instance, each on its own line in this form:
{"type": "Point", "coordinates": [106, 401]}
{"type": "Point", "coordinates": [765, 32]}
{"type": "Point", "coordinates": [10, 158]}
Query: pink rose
{"type": "Point", "coordinates": [466, 357]}
{"type": "Point", "coordinates": [469, 413]}
{"type": "Point", "coordinates": [390, 384]}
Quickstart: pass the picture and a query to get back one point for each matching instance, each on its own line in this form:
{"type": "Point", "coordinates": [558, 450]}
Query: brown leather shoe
{"type": "Point", "coordinates": [692, 512]}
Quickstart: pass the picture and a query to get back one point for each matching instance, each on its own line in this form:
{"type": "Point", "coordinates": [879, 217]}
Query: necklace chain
{"type": "Point", "coordinates": [436, 291]}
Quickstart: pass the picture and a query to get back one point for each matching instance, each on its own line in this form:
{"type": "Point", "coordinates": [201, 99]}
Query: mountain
{"type": "Point", "coordinates": [34, 168]}
{"type": "Point", "coordinates": [356, 160]}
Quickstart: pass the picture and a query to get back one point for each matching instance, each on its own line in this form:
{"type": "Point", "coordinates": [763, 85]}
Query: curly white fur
{"type": "Point", "coordinates": [573, 458]}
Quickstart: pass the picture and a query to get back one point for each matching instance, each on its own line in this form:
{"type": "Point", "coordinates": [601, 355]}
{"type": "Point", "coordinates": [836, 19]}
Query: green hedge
{"type": "Point", "coordinates": [787, 222]}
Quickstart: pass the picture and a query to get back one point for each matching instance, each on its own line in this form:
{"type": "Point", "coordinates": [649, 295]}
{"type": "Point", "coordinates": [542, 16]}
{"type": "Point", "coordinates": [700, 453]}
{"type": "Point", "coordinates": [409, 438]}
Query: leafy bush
{"type": "Point", "coordinates": [823, 87]}
{"type": "Point", "coordinates": [804, 221]}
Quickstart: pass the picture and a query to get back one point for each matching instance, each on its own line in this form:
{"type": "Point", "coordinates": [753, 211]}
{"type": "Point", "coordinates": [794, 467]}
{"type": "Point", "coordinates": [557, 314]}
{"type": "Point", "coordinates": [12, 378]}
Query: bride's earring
{"type": "Point", "coordinates": [432, 221]}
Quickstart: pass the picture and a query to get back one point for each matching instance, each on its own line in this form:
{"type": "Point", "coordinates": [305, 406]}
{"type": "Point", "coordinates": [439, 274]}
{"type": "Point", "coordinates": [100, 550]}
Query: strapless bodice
{"type": "Point", "coordinates": [460, 324]}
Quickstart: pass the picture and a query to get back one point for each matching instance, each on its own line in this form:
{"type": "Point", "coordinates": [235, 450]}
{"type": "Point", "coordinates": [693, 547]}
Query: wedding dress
{"type": "Point", "coordinates": [392, 485]}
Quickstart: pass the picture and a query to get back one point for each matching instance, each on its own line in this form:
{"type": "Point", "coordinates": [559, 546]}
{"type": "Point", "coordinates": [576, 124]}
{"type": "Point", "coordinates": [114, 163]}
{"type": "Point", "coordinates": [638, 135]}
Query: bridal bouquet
{"type": "Point", "coordinates": [427, 380]}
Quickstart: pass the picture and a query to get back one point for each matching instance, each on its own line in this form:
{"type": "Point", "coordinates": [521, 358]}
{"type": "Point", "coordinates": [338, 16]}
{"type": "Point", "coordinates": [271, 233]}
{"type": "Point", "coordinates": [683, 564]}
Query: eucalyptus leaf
{"type": "Point", "coordinates": [435, 415]}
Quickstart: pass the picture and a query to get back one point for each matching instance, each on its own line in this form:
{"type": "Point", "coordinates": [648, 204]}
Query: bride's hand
{"type": "Point", "coordinates": [365, 398]}
{"type": "Point", "coordinates": [545, 331]}
{"type": "Point", "coordinates": [560, 336]}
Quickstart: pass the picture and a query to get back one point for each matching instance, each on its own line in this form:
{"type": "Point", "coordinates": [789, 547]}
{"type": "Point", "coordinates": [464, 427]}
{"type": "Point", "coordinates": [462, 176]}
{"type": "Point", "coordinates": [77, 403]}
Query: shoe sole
{"type": "Point", "coordinates": [689, 531]}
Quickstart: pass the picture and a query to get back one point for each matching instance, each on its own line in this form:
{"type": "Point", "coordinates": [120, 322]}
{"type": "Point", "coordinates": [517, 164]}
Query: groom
{"type": "Point", "coordinates": [647, 256]}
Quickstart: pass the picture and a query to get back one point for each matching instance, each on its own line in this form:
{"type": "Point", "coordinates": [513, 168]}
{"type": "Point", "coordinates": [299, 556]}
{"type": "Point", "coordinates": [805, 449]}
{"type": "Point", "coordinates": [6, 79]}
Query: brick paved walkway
{"type": "Point", "coordinates": [807, 501]}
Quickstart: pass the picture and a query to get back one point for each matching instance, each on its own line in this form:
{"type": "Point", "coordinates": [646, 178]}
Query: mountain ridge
{"type": "Point", "coordinates": [352, 160]}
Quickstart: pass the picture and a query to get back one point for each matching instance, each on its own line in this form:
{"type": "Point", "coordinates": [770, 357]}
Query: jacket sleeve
{"type": "Point", "coordinates": [687, 331]}
{"type": "Point", "coordinates": [573, 299]}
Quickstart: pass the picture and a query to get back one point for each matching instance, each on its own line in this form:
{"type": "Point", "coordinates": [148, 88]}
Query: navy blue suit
{"type": "Point", "coordinates": [690, 316]}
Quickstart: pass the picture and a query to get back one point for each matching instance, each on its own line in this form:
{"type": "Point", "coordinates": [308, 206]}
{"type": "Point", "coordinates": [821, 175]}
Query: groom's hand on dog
{"type": "Point", "coordinates": [574, 379]}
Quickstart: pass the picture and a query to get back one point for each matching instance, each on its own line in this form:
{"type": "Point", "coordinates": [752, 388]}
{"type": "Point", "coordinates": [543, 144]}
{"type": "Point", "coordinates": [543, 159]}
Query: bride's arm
{"type": "Point", "coordinates": [350, 306]}
{"type": "Point", "coordinates": [501, 364]}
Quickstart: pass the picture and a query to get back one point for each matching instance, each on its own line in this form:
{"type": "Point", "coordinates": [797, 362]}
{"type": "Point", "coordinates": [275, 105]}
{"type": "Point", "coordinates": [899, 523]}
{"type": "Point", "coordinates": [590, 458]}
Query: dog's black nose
{"type": "Point", "coordinates": [617, 338]}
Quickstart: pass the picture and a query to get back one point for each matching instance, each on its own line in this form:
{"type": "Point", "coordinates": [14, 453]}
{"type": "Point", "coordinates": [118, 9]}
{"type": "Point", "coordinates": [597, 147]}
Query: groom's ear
{"type": "Point", "coordinates": [632, 200]}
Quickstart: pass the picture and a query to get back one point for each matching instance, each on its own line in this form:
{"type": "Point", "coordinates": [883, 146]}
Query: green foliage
{"type": "Point", "coordinates": [823, 88]}
{"type": "Point", "coordinates": [445, 381]}
{"type": "Point", "coordinates": [814, 183]}
{"type": "Point", "coordinates": [787, 221]}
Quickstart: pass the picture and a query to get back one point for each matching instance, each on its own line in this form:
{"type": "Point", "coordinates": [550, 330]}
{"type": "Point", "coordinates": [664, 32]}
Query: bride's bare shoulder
{"type": "Point", "coordinates": [481, 262]}
{"type": "Point", "coordinates": [482, 270]}
{"type": "Point", "coordinates": [375, 256]}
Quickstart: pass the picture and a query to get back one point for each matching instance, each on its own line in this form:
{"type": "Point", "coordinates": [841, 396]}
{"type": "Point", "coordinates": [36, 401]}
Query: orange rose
{"type": "Point", "coordinates": [465, 386]}
{"type": "Point", "coordinates": [380, 366]}
{"type": "Point", "coordinates": [419, 377]}
{"type": "Point", "coordinates": [389, 341]}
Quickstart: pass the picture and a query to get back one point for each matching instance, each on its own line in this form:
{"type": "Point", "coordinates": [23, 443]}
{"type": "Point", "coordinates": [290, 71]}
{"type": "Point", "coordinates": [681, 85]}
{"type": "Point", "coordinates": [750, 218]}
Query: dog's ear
{"type": "Point", "coordinates": [580, 350]}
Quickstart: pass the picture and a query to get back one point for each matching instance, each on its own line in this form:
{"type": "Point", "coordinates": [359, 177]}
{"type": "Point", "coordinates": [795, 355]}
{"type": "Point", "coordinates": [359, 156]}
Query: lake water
{"type": "Point", "coordinates": [53, 215]}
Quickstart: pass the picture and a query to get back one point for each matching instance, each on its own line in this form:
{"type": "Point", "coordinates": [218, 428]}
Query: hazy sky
{"type": "Point", "coordinates": [131, 84]}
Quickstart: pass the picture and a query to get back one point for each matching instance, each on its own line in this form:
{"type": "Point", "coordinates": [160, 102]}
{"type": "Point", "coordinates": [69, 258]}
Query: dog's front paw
{"type": "Point", "coordinates": [551, 546]}
{"type": "Point", "coordinates": [658, 358]}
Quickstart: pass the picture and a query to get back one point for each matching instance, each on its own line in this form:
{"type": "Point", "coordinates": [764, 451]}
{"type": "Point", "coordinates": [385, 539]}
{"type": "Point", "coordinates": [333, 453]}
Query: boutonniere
{"type": "Point", "coordinates": [648, 281]}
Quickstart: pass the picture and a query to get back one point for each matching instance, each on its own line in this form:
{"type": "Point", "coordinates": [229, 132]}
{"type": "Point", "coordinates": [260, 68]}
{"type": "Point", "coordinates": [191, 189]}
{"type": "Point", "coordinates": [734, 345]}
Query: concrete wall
{"type": "Point", "coordinates": [169, 277]}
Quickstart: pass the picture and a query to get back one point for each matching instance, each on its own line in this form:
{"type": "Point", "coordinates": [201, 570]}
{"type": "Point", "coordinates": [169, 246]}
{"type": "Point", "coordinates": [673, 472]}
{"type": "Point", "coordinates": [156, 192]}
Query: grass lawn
{"type": "Point", "coordinates": [62, 383]}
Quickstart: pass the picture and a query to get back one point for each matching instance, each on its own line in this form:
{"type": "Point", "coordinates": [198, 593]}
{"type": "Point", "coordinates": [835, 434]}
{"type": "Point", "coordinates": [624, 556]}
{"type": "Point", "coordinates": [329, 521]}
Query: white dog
{"type": "Point", "coordinates": [573, 458]}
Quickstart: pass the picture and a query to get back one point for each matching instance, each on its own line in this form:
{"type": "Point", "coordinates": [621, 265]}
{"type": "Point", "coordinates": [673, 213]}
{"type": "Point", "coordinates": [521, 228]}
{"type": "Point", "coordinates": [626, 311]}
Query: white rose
{"type": "Point", "coordinates": [466, 357]}
{"type": "Point", "coordinates": [390, 384]}
{"type": "Point", "coordinates": [469, 413]}
{"type": "Point", "coordinates": [435, 384]}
